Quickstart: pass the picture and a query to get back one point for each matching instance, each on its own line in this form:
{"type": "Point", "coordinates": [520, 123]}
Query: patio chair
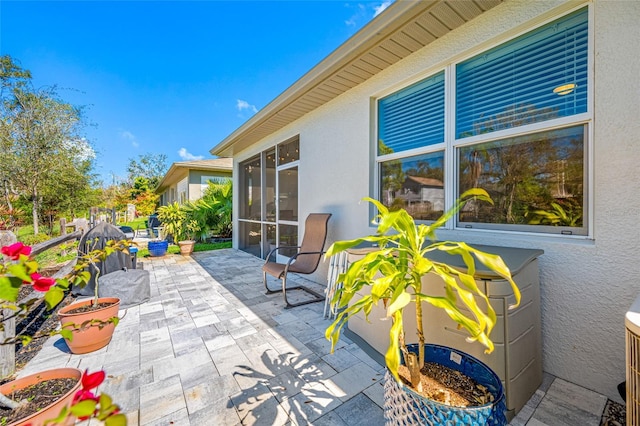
{"type": "Point", "coordinates": [304, 261]}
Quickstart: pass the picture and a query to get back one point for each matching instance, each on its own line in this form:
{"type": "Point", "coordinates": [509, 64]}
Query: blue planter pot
{"type": "Point", "coordinates": [158, 248]}
{"type": "Point", "coordinates": [403, 406]}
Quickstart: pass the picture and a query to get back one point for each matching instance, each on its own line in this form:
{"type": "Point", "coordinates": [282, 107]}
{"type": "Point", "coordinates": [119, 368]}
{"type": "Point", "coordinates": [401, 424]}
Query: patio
{"type": "Point", "coordinates": [210, 348]}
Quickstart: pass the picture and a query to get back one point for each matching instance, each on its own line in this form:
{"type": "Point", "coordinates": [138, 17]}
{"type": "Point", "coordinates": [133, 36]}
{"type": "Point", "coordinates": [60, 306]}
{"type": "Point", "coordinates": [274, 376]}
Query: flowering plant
{"type": "Point", "coordinates": [18, 269]}
{"type": "Point", "coordinates": [88, 405]}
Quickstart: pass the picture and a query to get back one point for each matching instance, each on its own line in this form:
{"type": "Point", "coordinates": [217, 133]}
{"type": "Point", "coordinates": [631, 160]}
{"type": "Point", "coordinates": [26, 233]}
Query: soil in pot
{"type": "Point", "coordinates": [447, 386]}
{"type": "Point", "coordinates": [46, 392]}
{"type": "Point", "coordinates": [89, 308]}
{"type": "Point", "coordinates": [38, 396]}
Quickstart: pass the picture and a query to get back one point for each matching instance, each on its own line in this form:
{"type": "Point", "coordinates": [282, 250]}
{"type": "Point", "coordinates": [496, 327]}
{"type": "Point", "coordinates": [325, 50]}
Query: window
{"type": "Point", "coordinates": [183, 190]}
{"type": "Point", "coordinates": [518, 129]}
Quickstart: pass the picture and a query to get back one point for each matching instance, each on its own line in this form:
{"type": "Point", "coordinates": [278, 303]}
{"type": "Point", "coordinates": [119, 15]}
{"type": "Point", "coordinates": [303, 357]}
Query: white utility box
{"type": "Point", "coordinates": [517, 357]}
{"type": "Point", "coordinates": [632, 326]}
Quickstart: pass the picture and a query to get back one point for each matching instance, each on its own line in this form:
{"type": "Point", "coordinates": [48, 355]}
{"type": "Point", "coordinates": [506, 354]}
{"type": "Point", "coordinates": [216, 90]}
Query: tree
{"type": "Point", "coordinates": [150, 166]}
{"type": "Point", "coordinates": [40, 136]}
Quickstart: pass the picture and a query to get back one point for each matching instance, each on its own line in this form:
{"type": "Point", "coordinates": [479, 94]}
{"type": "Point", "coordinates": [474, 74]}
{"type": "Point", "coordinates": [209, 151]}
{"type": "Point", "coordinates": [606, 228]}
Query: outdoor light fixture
{"type": "Point", "coordinates": [565, 89]}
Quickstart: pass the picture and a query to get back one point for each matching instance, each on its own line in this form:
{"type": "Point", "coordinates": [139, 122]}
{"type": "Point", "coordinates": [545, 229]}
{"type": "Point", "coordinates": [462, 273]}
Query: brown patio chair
{"type": "Point", "coordinates": [304, 261]}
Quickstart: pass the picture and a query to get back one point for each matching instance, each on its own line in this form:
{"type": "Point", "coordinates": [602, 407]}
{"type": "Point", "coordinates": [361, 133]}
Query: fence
{"type": "Point", "coordinates": [8, 352]}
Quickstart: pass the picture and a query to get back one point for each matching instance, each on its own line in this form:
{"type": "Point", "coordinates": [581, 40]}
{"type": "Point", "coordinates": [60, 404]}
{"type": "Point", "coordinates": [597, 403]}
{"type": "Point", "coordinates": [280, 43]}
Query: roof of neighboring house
{"type": "Point", "coordinates": [426, 181]}
{"type": "Point", "coordinates": [403, 28]}
{"type": "Point", "coordinates": [177, 169]}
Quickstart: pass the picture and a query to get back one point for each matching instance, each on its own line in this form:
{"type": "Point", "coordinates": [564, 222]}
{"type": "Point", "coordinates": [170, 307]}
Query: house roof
{"type": "Point", "coordinates": [177, 169]}
{"type": "Point", "coordinates": [403, 28]}
{"type": "Point", "coordinates": [436, 183]}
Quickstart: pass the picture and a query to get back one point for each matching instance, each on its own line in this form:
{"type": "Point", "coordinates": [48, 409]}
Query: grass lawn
{"type": "Point", "coordinates": [174, 249]}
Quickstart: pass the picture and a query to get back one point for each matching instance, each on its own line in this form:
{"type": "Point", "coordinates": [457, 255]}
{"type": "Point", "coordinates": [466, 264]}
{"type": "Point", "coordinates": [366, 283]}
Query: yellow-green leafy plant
{"type": "Point", "coordinates": [180, 220]}
{"type": "Point", "coordinates": [394, 273]}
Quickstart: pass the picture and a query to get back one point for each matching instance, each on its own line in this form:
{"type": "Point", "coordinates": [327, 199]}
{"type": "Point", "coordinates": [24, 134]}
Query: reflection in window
{"type": "Point", "coordinates": [536, 179]}
{"type": "Point", "coordinates": [250, 204]}
{"type": "Point", "coordinates": [288, 194]}
{"type": "Point", "coordinates": [415, 184]}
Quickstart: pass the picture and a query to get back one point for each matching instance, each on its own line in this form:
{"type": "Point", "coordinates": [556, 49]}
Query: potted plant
{"type": "Point", "coordinates": [88, 325]}
{"type": "Point", "coordinates": [181, 222]}
{"type": "Point", "coordinates": [22, 401]}
{"type": "Point", "coordinates": [393, 273]}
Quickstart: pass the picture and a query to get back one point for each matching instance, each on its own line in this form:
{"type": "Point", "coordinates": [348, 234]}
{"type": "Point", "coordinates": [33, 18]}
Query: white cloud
{"type": "Point", "coordinates": [379, 9]}
{"type": "Point", "coordinates": [363, 12]}
{"type": "Point", "coordinates": [127, 135]}
{"type": "Point", "coordinates": [187, 156]}
{"type": "Point", "coordinates": [244, 105]}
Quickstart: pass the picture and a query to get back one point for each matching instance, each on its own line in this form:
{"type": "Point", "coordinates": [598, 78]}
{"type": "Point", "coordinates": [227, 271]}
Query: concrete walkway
{"type": "Point", "coordinates": [210, 348]}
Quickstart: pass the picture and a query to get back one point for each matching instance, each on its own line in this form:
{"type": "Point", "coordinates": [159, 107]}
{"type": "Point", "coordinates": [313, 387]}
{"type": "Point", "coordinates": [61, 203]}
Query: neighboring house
{"type": "Point", "coordinates": [535, 101]}
{"type": "Point", "coordinates": [187, 180]}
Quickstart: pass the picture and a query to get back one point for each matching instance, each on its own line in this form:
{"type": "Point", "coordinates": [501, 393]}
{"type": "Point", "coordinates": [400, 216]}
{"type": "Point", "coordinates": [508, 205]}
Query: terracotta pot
{"type": "Point", "coordinates": [93, 337]}
{"type": "Point", "coordinates": [186, 247]}
{"type": "Point", "coordinates": [52, 410]}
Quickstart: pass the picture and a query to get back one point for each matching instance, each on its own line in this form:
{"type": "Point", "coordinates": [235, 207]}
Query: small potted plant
{"type": "Point", "coordinates": [393, 273]}
{"type": "Point", "coordinates": [181, 222]}
{"type": "Point", "coordinates": [88, 325]}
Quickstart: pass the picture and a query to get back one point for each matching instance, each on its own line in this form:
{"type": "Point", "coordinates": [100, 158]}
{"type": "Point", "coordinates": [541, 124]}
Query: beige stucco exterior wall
{"type": "Point", "coordinates": [195, 181]}
{"type": "Point", "coordinates": [194, 184]}
{"type": "Point", "coordinates": [587, 285]}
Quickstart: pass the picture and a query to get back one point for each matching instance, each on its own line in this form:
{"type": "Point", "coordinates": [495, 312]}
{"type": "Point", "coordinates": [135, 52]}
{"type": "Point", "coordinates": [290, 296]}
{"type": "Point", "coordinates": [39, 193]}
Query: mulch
{"type": "Point", "coordinates": [39, 322]}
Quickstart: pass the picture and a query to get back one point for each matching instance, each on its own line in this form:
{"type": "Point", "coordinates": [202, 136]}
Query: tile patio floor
{"type": "Point", "coordinates": [210, 348]}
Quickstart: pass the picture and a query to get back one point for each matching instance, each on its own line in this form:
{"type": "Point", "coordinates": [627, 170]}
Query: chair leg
{"type": "Point", "coordinates": [317, 297]}
{"type": "Point", "coordinates": [264, 280]}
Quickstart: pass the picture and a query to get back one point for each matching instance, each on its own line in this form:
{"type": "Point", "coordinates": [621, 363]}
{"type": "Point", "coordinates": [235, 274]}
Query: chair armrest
{"type": "Point", "coordinates": [279, 248]}
{"type": "Point", "coordinates": [292, 258]}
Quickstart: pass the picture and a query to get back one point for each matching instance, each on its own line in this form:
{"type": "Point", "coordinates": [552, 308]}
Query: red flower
{"type": "Point", "coordinates": [41, 283]}
{"type": "Point", "coordinates": [15, 250]}
{"type": "Point", "coordinates": [83, 395]}
{"type": "Point", "coordinates": [93, 380]}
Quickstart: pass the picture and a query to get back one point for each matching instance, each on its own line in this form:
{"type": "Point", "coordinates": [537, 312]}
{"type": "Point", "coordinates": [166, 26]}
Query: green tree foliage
{"type": "Point", "coordinates": [44, 154]}
{"type": "Point", "coordinates": [149, 166]}
{"type": "Point", "coordinates": [146, 202]}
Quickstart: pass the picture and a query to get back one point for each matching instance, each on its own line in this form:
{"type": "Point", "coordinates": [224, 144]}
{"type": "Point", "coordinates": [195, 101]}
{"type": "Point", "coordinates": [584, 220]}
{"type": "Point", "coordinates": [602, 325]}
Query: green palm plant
{"type": "Point", "coordinates": [556, 216]}
{"type": "Point", "coordinates": [394, 275]}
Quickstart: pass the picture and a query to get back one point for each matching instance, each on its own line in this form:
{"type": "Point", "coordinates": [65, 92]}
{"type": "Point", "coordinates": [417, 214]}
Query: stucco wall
{"type": "Point", "coordinates": [587, 285]}
{"type": "Point", "coordinates": [195, 181]}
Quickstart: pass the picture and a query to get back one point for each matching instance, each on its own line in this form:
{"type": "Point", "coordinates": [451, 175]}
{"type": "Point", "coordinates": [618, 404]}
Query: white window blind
{"type": "Point", "coordinates": [539, 76]}
{"type": "Point", "coordinates": [412, 117]}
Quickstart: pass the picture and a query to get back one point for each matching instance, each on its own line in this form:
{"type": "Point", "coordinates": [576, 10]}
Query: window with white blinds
{"type": "Point", "coordinates": [412, 117]}
{"type": "Point", "coordinates": [536, 77]}
{"type": "Point", "coordinates": [536, 173]}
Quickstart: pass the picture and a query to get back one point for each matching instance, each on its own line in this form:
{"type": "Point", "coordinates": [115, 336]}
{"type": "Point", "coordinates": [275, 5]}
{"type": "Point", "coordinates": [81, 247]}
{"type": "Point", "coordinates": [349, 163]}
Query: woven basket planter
{"type": "Point", "coordinates": [403, 406]}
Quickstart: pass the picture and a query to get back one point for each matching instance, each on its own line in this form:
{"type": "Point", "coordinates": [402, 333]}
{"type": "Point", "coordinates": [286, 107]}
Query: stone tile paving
{"type": "Point", "coordinates": [210, 348]}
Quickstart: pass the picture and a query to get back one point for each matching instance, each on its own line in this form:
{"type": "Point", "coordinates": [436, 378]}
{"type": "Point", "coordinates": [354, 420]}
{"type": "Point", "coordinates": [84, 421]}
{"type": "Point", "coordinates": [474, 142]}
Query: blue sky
{"type": "Point", "coordinates": [172, 77]}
